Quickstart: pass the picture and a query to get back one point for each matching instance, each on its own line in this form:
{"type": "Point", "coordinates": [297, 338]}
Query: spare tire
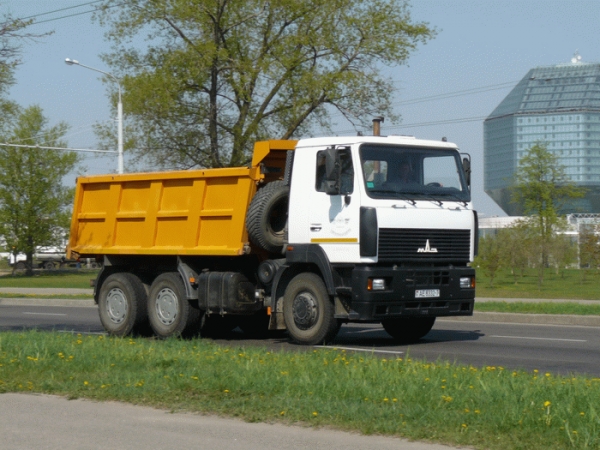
{"type": "Point", "coordinates": [266, 221]}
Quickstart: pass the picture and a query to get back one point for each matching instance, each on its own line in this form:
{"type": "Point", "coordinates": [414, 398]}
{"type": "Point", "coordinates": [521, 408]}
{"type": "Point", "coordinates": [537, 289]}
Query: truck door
{"type": "Point", "coordinates": [334, 210]}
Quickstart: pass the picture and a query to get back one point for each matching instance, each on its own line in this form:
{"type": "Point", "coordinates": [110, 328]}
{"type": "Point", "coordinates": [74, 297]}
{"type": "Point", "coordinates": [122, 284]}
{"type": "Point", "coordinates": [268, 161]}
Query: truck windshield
{"type": "Point", "coordinates": [413, 173]}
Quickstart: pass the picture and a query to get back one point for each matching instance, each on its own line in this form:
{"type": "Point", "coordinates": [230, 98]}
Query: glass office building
{"type": "Point", "coordinates": [558, 106]}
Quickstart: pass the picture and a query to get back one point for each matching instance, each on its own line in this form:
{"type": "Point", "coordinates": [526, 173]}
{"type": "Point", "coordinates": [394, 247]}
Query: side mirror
{"type": "Point", "coordinates": [466, 163]}
{"type": "Point", "coordinates": [333, 171]}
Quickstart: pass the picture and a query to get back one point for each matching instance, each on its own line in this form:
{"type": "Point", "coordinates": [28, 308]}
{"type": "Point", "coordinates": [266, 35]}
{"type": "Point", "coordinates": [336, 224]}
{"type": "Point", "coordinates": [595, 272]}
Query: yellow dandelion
{"type": "Point", "coordinates": [547, 403]}
{"type": "Point", "coordinates": [315, 414]}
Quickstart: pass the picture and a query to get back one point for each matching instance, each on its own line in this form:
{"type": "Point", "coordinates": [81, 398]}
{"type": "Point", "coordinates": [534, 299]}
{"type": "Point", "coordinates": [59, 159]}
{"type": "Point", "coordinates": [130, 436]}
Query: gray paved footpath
{"type": "Point", "coordinates": [58, 423]}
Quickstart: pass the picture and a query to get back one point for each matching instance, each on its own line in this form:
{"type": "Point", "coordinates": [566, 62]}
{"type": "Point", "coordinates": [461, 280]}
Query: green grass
{"type": "Point", "coordinates": [79, 279]}
{"type": "Point", "coordinates": [487, 407]}
{"type": "Point", "coordinates": [568, 285]}
{"type": "Point", "coordinates": [539, 308]}
{"type": "Point", "coordinates": [48, 296]}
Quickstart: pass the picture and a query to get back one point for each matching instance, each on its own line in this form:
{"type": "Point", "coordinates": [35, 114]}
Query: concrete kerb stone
{"type": "Point", "coordinates": [539, 319]}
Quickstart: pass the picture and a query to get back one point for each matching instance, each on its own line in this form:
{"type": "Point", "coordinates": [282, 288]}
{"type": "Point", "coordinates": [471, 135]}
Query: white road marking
{"type": "Point", "coordinates": [43, 314]}
{"type": "Point", "coordinates": [355, 349]}
{"type": "Point", "coordinates": [538, 338]}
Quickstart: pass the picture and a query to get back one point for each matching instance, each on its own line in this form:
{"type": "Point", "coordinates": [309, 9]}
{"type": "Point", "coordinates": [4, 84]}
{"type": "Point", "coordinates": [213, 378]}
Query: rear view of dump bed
{"type": "Point", "coordinates": [196, 212]}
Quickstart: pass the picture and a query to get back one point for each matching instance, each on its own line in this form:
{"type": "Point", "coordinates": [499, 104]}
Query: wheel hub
{"type": "Point", "coordinates": [305, 309]}
{"type": "Point", "coordinates": [116, 305]}
{"type": "Point", "coordinates": [167, 306]}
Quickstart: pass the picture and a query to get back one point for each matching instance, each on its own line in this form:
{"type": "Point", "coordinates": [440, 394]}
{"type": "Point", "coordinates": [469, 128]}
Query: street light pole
{"type": "Point", "coordinates": [71, 62]}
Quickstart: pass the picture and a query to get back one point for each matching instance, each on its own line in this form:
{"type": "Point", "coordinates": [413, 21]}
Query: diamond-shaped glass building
{"type": "Point", "coordinates": [558, 106]}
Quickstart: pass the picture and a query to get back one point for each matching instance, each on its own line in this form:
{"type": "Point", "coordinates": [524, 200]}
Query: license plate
{"type": "Point", "coordinates": [427, 293]}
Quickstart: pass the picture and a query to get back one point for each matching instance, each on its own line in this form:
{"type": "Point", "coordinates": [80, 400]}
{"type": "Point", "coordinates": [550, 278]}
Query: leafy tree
{"type": "Point", "coordinates": [11, 35]}
{"type": "Point", "coordinates": [516, 244]}
{"type": "Point", "coordinates": [489, 258]}
{"type": "Point", "coordinates": [589, 249]}
{"type": "Point", "coordinates": [563, 251]}
{"type": "Point", "coordinates": [542, 188]}
{"type": "Point", "coordinates": [33, 202]}
{"type": "Point", "coordinates": [218, 75]}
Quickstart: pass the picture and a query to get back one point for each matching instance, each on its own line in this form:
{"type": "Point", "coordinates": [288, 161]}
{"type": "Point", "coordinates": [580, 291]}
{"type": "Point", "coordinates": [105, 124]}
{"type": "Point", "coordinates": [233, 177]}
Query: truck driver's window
{"type": "Point", "coordinates": [347, 172]}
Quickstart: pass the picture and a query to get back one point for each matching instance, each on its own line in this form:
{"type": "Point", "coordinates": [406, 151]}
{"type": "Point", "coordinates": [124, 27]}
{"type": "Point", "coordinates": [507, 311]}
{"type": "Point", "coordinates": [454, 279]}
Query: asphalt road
{"type": "Point", "coordinates": [558, 349]}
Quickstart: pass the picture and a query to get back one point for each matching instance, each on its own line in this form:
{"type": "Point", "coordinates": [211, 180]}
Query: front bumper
{"type": "Point", "coordinates": [398, 299]}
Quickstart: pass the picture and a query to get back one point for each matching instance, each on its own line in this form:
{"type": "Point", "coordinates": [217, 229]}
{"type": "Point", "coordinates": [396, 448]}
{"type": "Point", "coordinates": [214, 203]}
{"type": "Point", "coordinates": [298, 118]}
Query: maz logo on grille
{"type": "Point", "coordinates": [427, 248]}
{"type": "Point", "coordinates": [437, 245]}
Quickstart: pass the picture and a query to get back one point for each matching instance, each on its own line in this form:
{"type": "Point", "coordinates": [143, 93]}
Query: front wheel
{"type": "Point", "coordinates": [169, 311]}
{"type": "Point", "coordinates": [122, 304]}
{"type": "Point", "coordinates": [408, 329]}
{"type": "Point", "coordinates": [309, 311]}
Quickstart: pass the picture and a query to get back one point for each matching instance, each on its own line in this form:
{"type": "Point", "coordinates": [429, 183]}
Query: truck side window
{"type": "Point", "coordinates": [347, 178]}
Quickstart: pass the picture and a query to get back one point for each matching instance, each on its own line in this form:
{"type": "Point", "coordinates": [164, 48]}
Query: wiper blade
{"type": "Point", "coordinates": [431, 198]}
{"type": "Point", "coordinates": [455, 198]}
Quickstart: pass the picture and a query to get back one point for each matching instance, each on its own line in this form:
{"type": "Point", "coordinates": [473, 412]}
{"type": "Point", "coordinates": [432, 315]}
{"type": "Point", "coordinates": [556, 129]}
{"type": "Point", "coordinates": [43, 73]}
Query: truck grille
{"type": "Point", "coordinates": [407, 244]}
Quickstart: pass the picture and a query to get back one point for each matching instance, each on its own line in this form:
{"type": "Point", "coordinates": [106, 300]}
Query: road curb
{"type": "Point", "coordinates": [540, 319]}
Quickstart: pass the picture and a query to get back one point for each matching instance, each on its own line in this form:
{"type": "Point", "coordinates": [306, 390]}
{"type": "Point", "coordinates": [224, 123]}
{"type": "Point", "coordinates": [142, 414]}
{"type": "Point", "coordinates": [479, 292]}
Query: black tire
{"type": "Point", "coordinates": [49, 265]}
{"type": "Point", "coordinates": [266, 220]}
{"type": "Point", "coordinates": [122, 304]}
{"type": "Point", "coordinates": [308, 310]}
{"type": "Point", "coordinates": [408, 329]}
{"type": "Point", "coordinates": [169, 311]}
{"type": "Point", "coordinates": [21, 265]}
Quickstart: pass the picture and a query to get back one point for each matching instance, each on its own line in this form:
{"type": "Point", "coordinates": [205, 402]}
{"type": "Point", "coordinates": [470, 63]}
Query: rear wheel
{"type": "Point", "coordinates": [408, 329]}
{"type": "Point", "coordinates": [309, 311]}
{"type": "Point", "coordinates": [49, 265]}
{"type": "Point", "coordinates": [169, 310]}
{"type": "Point", "coordinates": [122, 304]}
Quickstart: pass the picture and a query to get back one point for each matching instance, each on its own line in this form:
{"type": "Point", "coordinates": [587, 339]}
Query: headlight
{"type": "Point", "coordinates": [376, 284]}
{"type": "Point", "coordinates": [467, 282]}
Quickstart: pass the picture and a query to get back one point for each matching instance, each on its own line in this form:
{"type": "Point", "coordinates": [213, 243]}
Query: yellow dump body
{"type": "Point", "coordinates": [188, 212]}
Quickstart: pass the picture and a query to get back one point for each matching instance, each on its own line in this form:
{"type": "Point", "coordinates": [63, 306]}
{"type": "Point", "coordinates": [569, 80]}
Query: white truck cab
{"type": "Point", "coordinates": [388, 225]}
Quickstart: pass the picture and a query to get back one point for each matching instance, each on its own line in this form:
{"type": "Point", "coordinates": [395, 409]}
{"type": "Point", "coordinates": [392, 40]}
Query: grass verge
{"type": "Point", "coordinates": [539, 308]}
{"type": "Point", "coordinates": [48, 296]}
{"type": "Point", "coordinates": [51, 279]}
{"type": "Point", "coordinates": [485, 407]}
{"type": "Point", "coordinates": [569, 284]}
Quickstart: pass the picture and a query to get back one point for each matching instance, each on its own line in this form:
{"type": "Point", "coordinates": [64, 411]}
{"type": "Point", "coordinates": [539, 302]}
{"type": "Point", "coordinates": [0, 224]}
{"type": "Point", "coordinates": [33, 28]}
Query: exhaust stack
{"type": "Point", "coordinates": [377, 125]}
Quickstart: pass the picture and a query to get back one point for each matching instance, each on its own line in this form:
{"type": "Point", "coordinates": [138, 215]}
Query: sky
{"type": "Point", "coordinates": [446, 89]}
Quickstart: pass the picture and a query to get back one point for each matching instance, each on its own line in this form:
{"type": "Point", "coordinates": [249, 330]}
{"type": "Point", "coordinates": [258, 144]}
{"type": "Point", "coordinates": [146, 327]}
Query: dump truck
{"type": "Point", "coordinates": [313, 234]}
